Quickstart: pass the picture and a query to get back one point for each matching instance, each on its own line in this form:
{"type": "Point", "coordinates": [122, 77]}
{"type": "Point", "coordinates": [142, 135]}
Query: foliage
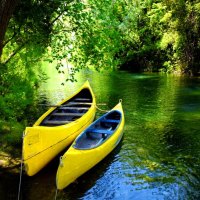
{"type": "Point", "coordinates": [141, 35]}
{"type": "Point", "coordinates": [25, 43]}
{"type": "Point", "coordinates": [86, 36]}
{"type": "Point", "coordinates": [17, 97]}
{"type": "Point", "coordinates": [138, 35]}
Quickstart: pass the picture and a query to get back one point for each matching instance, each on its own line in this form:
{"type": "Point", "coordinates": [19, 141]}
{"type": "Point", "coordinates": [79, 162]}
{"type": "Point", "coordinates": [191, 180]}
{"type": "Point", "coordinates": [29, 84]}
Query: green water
{"type": "Point", "coordinates": [159, 156]}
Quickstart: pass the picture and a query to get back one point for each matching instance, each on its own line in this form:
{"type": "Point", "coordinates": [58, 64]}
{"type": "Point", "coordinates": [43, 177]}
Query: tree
{"type": "Point", "coordinates": [161, 35]}
{"type": "Point", "coordinates": [7, 8]}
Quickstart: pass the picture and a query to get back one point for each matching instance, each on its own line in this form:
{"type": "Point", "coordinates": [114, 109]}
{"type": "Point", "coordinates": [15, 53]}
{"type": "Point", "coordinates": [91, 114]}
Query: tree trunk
{"type": "Point", "coordinates": [7, 8]}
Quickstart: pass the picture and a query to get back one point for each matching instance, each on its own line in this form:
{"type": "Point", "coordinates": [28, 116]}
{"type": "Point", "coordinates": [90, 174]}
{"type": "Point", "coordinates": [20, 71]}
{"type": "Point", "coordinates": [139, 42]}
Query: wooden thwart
{"type": "Point", "coordinates": [72, 103]}
{"type": "Point", "coordinates": [82, 99]}
{"type": "Point", "coordinates": [56, 122]}
{"type": "Point", "coordinates": [73, 108]}
{"type": "Point", "coordinates": [67, 114]}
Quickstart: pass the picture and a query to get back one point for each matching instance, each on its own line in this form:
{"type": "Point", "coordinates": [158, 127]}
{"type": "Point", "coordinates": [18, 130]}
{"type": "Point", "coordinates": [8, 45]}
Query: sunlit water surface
{"type": "Point", "coordinates": [159, 156]}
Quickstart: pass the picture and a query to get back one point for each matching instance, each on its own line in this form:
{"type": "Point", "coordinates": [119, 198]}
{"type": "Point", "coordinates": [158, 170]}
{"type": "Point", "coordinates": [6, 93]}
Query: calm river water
{"type": "Point", "coordinates": [159, 156]}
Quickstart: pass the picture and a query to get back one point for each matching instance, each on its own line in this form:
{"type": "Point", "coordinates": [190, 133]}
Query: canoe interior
{"type": "Point", "coordinates": [70, 110]}
{"type": "Point", "coordinates": [99, 131]}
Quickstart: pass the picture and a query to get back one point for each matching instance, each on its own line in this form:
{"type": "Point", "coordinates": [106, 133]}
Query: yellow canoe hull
{"type": "Point", "coordinates": [76, 162]}
{"type": "Point", "coordinates": [42, 143]}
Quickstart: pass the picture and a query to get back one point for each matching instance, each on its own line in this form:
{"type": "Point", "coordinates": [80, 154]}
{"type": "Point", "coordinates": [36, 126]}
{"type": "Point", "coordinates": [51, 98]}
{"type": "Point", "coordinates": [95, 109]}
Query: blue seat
{"type": "Point", "coordinates": [101, 131]}
{"type": "Point", "coordinates": [111, 120]}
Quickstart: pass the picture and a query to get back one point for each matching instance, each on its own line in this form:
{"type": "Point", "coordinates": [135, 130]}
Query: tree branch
{"type": "Point", "coordinates": [7, 8]}
{"type": "Point", "coordinates": [54, 20]}
{"type": "Point", "coordinates": [14, 34]}
{"type": "Point", "coordinates": [14, 53]}
{"type": "Point", "coordinates": [6, 42]}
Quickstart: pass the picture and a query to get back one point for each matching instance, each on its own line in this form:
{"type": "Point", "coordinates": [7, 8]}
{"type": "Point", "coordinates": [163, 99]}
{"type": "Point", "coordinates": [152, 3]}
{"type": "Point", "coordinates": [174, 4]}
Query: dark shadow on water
{"type": "Point", "coordinates": [43, 185]}
{"type": "Point", "coordinates": [8, 185]}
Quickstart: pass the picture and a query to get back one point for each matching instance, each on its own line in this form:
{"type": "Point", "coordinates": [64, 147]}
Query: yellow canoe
{"type": "Point", "coordinates": [91, 146]}
{"type": "Point", "coordinates": [57, 128]}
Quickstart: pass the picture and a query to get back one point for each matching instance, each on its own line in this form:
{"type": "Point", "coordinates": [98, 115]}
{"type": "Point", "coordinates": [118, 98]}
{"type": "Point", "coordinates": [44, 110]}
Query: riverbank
{"type": "Point", "coordinates": [10, 145]}
{"type": "Point", "coordinates": [8, 162]}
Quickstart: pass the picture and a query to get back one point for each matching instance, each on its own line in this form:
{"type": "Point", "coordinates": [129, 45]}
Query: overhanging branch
{"type": "Point", "coordinates": [14, 53]}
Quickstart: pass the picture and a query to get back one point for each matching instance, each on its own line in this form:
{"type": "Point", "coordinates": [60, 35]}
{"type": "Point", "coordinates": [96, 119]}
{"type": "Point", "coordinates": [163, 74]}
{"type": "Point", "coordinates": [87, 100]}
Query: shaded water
{"type": "Point", "coordinates": [159, 156]}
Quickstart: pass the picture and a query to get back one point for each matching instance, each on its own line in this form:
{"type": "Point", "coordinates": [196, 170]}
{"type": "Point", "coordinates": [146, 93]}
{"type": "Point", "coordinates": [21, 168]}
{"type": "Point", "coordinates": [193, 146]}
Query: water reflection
{"type": "Point", "coordinates": [159, 156]}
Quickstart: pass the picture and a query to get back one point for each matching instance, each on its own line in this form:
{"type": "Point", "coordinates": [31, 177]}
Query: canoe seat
{"type": "Point", "coordinates": [78, 103]}
{"type": "Point", "coordinates": [55, 122]}
{"type": "Point", "coordinates": [67, 114]}
{"type": "Point", "coordinates": [82, 99]}
{"type": "Point", "coordinates": [73, 108]}
{"type": "Point", "coordinates": [111, 120]}
{"type": "Point", "coordinates": [101, 131]}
